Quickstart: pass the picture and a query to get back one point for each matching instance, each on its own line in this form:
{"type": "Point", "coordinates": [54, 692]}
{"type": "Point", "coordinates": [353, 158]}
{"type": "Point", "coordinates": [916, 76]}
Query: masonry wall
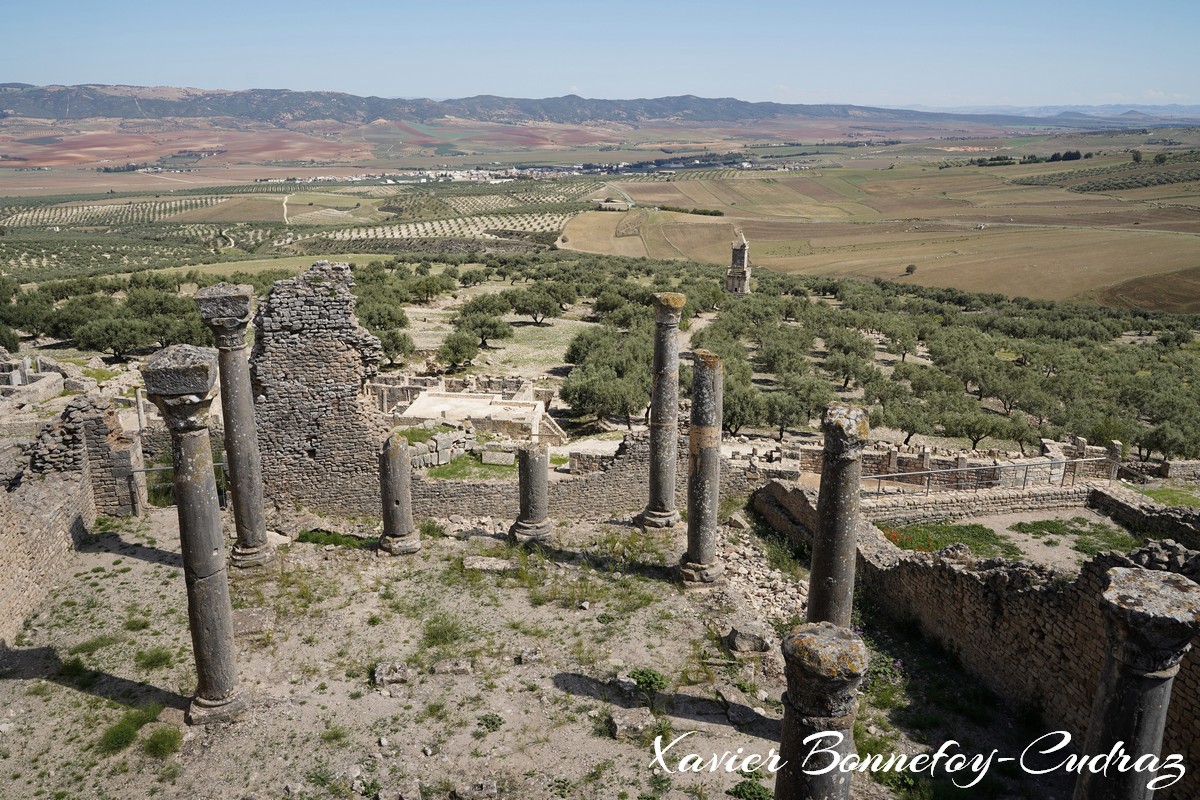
{"type": "Point", "coordinates": [1022, 630]}
{"type": "Point", "coordinates": [1181, 470]}
{"type": "Point", "coordinates": [618, 484]}
{"type": "Point", "coordinates": [912, 509]}
{"type": "Point", "coordinates": [318, 433]}
{"type": "Point", "coordinates": [1140, 513]}
{"type": "Point", "coordinates": [47, 506]}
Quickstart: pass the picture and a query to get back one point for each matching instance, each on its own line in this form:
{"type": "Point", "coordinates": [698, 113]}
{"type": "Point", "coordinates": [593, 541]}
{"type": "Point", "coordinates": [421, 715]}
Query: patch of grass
{"type": "Point", "coordinates": [750, 789]}
{"type": "Point", "coordinates": [95, 643]}
{"type": "Point", "coordinates": [120, 735]}
{"type": "Point", "coordinates": [415, 435]}
{"type": "Point", "coordinates": [490, 723]}
{"type": "Point", "coordinates": [100, 375]}
{"type": "Point", "coordinates": [136, 624]}
{"type": "Point", "coordinates": [154, 658]}
{"type": "Point", "coordinates": [1171, 496]}
{"type": "Point", "coordinates": [431, 528]}
{"type": "Point", "coordinates": [932, 536]}
{"type": "Point", "coordinates": [335, 539]}
{"type": "Point", "coordinates": [442, 629]}
{"type": "Point", "coordinates": [163, 742]}
{"type": "Point", "coordinates": [1091, 538]}
{"type": "Point", "coordinates": [335, 734]}
{"type": "Point", "coordinates": [467, 466]}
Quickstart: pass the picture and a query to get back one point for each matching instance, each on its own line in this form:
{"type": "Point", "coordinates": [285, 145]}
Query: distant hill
{"type": "Point", "coordinates": [283, 107]}
{"type": "Point", "coordinates": [1110, 111]}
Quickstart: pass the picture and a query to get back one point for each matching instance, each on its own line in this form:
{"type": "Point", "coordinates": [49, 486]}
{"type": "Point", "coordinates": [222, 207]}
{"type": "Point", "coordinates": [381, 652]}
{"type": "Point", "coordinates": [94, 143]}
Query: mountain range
{"type": "Point", "coordinates": [283, 106]}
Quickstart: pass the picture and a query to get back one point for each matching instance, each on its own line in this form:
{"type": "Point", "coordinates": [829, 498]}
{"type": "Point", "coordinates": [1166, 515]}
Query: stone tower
{"type": "Point", "coordinates": [737, 277]}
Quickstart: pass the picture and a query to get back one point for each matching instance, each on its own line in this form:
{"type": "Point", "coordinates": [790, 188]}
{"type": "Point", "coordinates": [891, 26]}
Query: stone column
{"type": "Point", "coordinates": [533, 470]}
{"type": "Point", "coordinates": [179, 380]}
{"type": "Point", "coordinates": [700, 563]}
{"type": "Point", "coordinates": [225, 309]}
{"type": "Point", "coordinates": [824, 665]}
{"type": "Point", "coordinates": [400, 536]}
{"type": "Point", "coordinates": [664, 413]}
{"type": "Point", "coordinates": [1151, 618]}
{"type": "Point", "coordinates": [831, 584]}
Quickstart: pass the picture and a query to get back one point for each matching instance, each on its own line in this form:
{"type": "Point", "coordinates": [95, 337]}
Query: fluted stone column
{"type": "Point", "coordinates": [1151, 618]}
{"type": "Point", "coordinates": [533, 470]}
{"type": "Point", "coordinates": [179, 380]}
{"type": "Point", "coordinates": [700, 564]}
{"type": "Point", "coordinates": [400, 536]}
{"type": "Point", "coordinates": [664, 413]}
{"type": "Point", "coordinates": [831, 584]}
{"type": "Point", "coordinates": [824, 665]}
{"type": "Point", "coordinates": [225, 309]}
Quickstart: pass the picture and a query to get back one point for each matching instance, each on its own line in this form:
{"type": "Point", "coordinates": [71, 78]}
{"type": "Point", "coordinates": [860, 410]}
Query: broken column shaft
{"type": "Point", "coordinates": [831, 584]}
{"type": "Point", "coordinates": [179, 380]}
{"type": "Point", "coordinates": [225, 309]}
{"type": "Point", "coordinates": [664, 412]}
{"type": "Point", "coordinates": [533, 470]}
{"type": "Point", "coordinates": [700, 563]}
{"type": "Point", "coordinates": [824, 666]}
{"type": "Point", "coordinates": [1151, 618]}
{"type": "Point", "coordinates": [400, 536]}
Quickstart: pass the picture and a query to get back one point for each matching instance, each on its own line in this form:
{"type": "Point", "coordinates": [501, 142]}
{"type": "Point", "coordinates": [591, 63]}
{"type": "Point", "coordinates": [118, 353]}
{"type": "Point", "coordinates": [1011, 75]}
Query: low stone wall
{"type": "Point", "coordinates": [1140, 513]}
{"type": "Point", "coordinates": [1180, 470]}
{"type": "Point", "coordinates": [1031, 635]}
{"type": "Point", "coordinates": [912, 509]}
{"type": "Point", "coordinates": [43, 517]}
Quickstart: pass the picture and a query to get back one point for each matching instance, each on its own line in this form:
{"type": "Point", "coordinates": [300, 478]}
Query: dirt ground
{"type": "Point", "coordinates": [511, 681]}
{"type": "Point", "coordinates": [514, 676]}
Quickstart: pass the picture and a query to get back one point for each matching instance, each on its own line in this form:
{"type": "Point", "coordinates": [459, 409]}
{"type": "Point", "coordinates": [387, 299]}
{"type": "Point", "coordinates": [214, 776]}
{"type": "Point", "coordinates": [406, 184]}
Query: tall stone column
{"type": "Point", "coordinates": [700, 563]}
{"type": "Point", "coordinates": [664, 413]}
{"type": "Point", "coordinates": [533, 471]}
{"type": "Point", "coordinates": [831, 584]}
{"type": "Point", "coordinates": [824, 666]}
{"type": "Point", "coordinates": [179, 380]}
{"type": "Point", "coordinates": [225, 309]}
{"type": "Point", "coordinates": [400, 536]}
{"type": "Point", "coordinates": [1151, 618]}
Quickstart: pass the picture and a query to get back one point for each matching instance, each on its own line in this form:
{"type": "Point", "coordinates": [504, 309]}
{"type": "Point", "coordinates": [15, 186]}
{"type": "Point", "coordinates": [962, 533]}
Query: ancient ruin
{"type": "Point", "coordinates": [332, 461]}
{"type": "Point", "coordinates": [1151, 619]}
{"type": "Point", "coordinates": [180, 381]}
{"type": "Point", "coordinates": [533, 523]}
{"type": "Point", "coordinates": [664, 412]}
{"type": "Point", "coordinates": [317, 431]}
{"type": "Point", "coordinates": [399, 535]}
{"type": "Point", "coordinates": [699, 564]}
{"type": "Point", "coordinates": [824, 665]}
{"type": "Point", "coordinates": [831, 588]}
{"type": "Point", "coordinates": [225, 309]}
{"type": "Point", "coordinates": [737, 277]}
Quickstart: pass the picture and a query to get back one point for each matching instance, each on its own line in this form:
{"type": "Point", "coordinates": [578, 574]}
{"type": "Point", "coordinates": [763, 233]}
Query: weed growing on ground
{"type": "Point", "coordinates": [933, 536]}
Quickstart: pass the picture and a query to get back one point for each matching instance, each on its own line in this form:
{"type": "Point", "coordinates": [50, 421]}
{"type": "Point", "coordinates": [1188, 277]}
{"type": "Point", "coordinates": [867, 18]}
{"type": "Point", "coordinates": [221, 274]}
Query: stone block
{"type": "Point", "coordinates": [225, 300]}
{"type": "Point", "coordinates": [499, 457]}
{"type": "Point", "coordinates": [181, 370]}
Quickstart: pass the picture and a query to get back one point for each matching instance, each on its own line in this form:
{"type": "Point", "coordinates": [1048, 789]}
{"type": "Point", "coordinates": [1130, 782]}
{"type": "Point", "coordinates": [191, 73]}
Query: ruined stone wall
{"type": "Point", "coordinates": [43, 516]}
{"type": "Point", "coordinates": [45, 508]}
{"type": "Point", "coordinates": [112, 456]}
{"type": "Point", "coordinates": [1032, 636]}
{"type": "Point", "coordinates": [1140, 513]}
{"type": "Point", "coordinates": [1181, 470]}
{"type": "Point", "coordinates": [318, 433]}
{"type": "Point", "coordinates": [911, 509]}
{"type": "Point", "coordinates": [619, 484]}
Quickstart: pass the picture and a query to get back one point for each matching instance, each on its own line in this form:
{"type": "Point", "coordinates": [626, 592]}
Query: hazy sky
{"type": "Point", "coordinates": [869, 53]}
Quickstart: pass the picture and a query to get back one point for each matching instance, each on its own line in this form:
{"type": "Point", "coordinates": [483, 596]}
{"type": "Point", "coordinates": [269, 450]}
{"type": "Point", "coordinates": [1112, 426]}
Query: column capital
{"type": "Point", "coordinates": [846, 429]}
{"type": "Point", "coordinates": [1154, 615]}
{"type": "Point", "coordinates": [180, 380]}
{"type": "Point", "coordinates": [225, 310]}
{"type": "Point", "coordinates": [668, 307]}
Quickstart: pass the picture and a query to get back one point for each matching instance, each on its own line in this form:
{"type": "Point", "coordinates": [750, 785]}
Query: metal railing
{"type": "Point", "coordinates": [991, 476]}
